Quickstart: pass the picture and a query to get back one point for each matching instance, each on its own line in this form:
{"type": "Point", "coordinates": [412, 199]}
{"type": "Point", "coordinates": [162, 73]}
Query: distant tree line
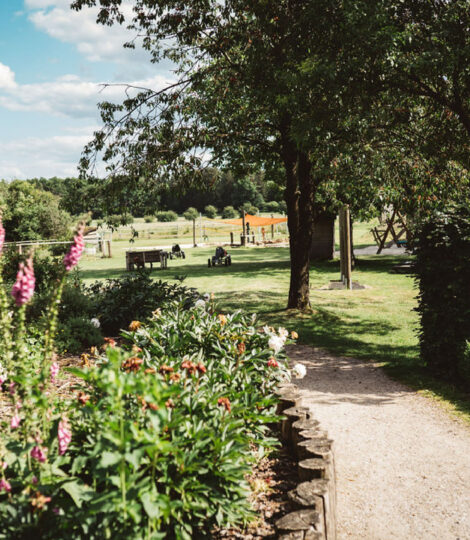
{"type": "Point", "coordinates": [220, 189]}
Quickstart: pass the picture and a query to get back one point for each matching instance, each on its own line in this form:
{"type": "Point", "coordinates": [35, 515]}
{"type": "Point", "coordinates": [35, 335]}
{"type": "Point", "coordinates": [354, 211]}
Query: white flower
{"type": "Point", "coordinates": [206, 297]}
{"type": "Point", "coordinates": [299, 371]}
{"type": "Point", "coordinates": [95, 322]}
{"type": "Point", "coordinates": [267, 330]}
{"type": "Point", "coordinates": [200, 303]}
{"type": "Point", "coordinates": [283, 333]}
{"type": "Point", "coordinates": [275, 343]}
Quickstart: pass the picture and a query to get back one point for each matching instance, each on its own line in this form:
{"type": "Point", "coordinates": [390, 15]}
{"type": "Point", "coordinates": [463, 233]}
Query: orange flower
{"type": "Point", "coordinates": [109, 342]}
{"type": "Point", "coordinates": [135, 325]}
{"type": "Point", "coordinates": [241, 347]}
{"type": "Point", "coordinates": [39, 501]}
{"type": "Point", "coordinates": [132, 364]}
{"type": "Point", "coordinates": [224, 402]}
{"type": "Point", "coordinates": [83, 398]}
{"type": "Point", "coordinates": [175, 377]}
{"type": "Point", "coordinates": [150, 370]}
{"type": "Point", "coordinates": [165, 369]}
{"type": "Point", "coordinates": [169, 404]}
{"type": "Point", "coordinates": [201, 368]}
{"type": "Point", "coordinates": [222, 318]}
{"type": "Point", "coordinates": [294, 335]}
{"type": "Point", "coordinates": [85, 358]}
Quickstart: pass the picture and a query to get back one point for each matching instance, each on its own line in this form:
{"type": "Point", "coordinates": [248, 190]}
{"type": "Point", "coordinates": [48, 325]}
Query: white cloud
{"type": "Point", "coordinates": [95, 41]}
{"type": "Point", "coordinates": [7, 77]}
{"type": "Point", "coordinates": [43, 156]}
{"type": "Point", "coordinates": [66, 96]}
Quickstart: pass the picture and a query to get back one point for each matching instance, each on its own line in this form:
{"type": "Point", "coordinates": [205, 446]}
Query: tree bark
{"type": "Point", "coordinates": [299, 195]}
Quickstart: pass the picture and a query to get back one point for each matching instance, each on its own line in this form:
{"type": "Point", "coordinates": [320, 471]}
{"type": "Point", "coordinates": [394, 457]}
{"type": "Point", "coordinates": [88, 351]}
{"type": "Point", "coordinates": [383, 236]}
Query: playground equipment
{"type": "Point", "coordinates": [221, 257]}
{"type": "Point", "coordinates": [141, 257]}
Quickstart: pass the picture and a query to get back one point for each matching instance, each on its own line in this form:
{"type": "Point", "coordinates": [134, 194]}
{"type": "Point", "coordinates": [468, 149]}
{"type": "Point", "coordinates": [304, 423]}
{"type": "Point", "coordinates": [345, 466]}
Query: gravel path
{"type": "Point", "coordinates": [402, 462]}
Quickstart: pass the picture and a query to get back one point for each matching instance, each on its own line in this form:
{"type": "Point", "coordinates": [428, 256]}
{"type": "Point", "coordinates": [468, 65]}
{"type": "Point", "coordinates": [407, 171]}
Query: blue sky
{"type": "Point", "coordinates": [53, 62]}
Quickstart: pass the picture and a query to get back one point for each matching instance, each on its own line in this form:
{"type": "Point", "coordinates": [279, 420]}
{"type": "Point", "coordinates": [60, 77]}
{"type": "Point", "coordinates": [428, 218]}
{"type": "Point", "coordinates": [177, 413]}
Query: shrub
{"type": "Point", "coordinates": [271, 206]}
{"type": "Point", "coordinates": [250, 209]}
{"type": "Point", "coordinates": [149, 219]}
{"type": "Point", "coordinates": [191, 214]}
{"type": "Point", "coordinates": [210, 211]}
{"type": "Point", "coordinates": [229, 212]}
{"type": "Point", "coordinates": [167, 216]}
{"type": "Point", "coordinates": [118, 301]}
{"type": "Point", "coordinates": [443, 276]}
{"type": "Point", "coordinates": [283, 207]}
{"type": "Point", "coordinates": [116, 220]}
{"type": "Point", "coordinates": [33, 214]}
{"type": "Point", "coordinates": [158, 441]}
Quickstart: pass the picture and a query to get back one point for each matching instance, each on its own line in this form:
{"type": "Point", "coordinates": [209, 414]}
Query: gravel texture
{"type": "Point", "coordinates": [402, 462]}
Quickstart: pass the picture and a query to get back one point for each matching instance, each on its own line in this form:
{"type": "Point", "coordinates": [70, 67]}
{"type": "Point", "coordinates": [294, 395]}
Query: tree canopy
{"type": "Point", "coordinates": [292, 86]}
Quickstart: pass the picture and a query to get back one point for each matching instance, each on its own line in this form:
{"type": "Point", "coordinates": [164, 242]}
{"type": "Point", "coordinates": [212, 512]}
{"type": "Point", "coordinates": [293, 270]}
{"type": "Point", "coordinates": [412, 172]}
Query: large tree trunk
{"type": "Point", "coordinates": [299, 195]}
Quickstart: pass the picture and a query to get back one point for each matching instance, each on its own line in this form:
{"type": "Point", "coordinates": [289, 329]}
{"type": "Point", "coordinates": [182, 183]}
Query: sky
{"type": "Point", "coordinates": [53, 64]}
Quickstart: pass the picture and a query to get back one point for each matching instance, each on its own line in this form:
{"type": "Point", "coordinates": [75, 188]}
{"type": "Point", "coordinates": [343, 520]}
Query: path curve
{"type": "Point", "coordinates": [402, 462]}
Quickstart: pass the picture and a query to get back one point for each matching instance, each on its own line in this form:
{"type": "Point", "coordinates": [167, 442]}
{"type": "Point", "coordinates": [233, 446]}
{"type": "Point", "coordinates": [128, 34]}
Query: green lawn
{"type": "Point", "coordinates": [377, 323]}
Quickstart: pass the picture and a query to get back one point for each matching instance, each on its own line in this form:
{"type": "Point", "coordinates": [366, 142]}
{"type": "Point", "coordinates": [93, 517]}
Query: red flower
{"type": "Point", "coordinates": [272, 362]}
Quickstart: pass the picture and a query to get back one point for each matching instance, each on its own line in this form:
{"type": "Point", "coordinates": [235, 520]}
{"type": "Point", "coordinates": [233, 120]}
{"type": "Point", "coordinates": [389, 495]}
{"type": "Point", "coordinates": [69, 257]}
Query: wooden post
{"type": "Point", "coordinates": [243, 237]}
{"type": "Point", "coordinates": [109, 248]}
{"type": "Point", "coordinates": [20, 249]}
{"type": "Point", "coordinates": [194, 233]}
{"type": "Point", "coordinates": [345, 246]}
{"type": "Point", "coordinates": [231, 238]}
{"type": "Point", "coordinates": [347, 229]}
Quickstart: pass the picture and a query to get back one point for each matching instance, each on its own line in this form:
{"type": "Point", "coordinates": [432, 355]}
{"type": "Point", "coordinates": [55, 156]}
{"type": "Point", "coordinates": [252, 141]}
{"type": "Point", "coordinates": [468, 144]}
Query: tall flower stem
{"type": "Point", "coordinates": [52, 319]}
{"type": "Point", "coordinates": [6, 352]}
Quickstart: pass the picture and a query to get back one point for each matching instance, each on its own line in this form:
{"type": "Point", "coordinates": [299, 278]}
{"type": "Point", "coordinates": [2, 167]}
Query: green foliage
{"type": "Point", "coordinates": [149, 219]}
{"type": "Point", "coordinates": [210, 211]}
{"type": "Point", "coordinates": [443, 275]}
{"type": "Point", "coordinates": [30, 213]}
{"type": "Point", "coordinates": [161, 443]}
{"type": "Point", "coordinates": [249, 209]}
{"type": "Point", "coordinates": [271, 206]}
{"type": "Point", "coordinates": [75, 334]}
{"type": "Point", "coordinates": [167, 216]}
{"type": "Point", "coordinates": [191, 214]}
{"type": "Point", "coordinates": [229, 212]}
{"type": "Point", "coordinates": [115, 221]}
{"type": "Point", "coordinates": [119, 301]}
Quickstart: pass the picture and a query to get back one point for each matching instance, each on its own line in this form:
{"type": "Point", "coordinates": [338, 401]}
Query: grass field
{"type": "Point", "coordinates": [377, 323]}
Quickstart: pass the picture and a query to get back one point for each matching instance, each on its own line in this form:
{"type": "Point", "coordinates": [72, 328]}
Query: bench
{"type": "Point", "coordinates": [140, 258]}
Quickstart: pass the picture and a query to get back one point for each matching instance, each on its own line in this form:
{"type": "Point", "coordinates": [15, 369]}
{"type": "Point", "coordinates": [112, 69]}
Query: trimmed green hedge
{"type": "Point", "coordinates": [443, 275]}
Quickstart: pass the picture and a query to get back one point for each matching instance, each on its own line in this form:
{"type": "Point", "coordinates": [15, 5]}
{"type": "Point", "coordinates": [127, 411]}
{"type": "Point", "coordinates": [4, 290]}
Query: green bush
{"type": "Point", "coordinates": [210, 211]}
{"type": "Point", "coordinates": [250, 209]}
{"type": "Point", "coordinates": [119, 301]}
{"type": "Point", "coordinates": [229, 212]}
{"type": "Point", "coordinates": [167, 216]}
{"type": "Point", "coordinates": [149, 219]}
{"type": "Point", "coordinates": [443, 275]}
{"type": "Point", "coordinates": [76, 334]}
{"type": "Point", "coordinates": [271, 206]}
{"type": "Point", "coordinates": [30, 213]}
{"type": "Point", "coordinates": [191, 214]}
{"type": "Point", "coordinates": [162, 436]}
{"type": "Point", "coordinates": [117, 220]}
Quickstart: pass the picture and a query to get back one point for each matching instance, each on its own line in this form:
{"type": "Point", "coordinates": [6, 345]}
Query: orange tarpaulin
{"type": "Point", "coordinates": [255, 221]}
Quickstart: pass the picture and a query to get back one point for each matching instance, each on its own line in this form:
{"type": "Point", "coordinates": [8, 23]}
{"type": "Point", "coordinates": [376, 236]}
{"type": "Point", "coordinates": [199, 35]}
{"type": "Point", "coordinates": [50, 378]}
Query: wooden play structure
{"type": "Point", "coordinates": [140, 257]}
{"type": "Point", "coordinates": [394, 230]}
